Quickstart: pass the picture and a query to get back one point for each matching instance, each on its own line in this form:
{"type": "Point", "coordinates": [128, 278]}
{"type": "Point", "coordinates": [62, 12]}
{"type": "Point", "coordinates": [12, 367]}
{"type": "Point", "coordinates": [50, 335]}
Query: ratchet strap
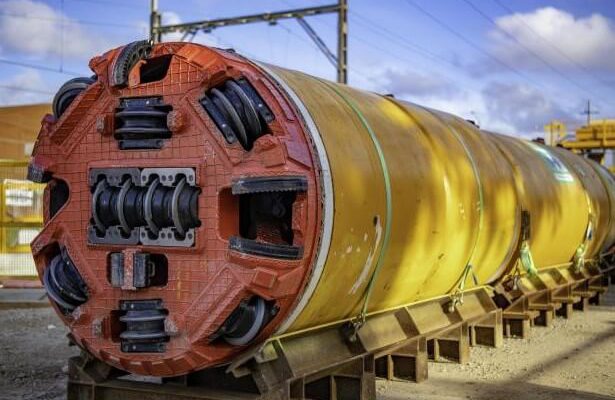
{"type": "Point", "coordinates": [578, 260]}
{"type": "Point", "coordinates": [457, 293]}
{"type": "Point", "coordinates": [357, 322]}
{"type": "Point", "coordinates": [526, 261]}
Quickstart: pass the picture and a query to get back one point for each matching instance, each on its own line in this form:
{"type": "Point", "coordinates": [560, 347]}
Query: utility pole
{"type": "Point", "coordinates": [340, 60]}
{"type": "Point", "coordinates": [589, 112]}
{"type": "Point", "coordinates": [342, 42]}
{"type": "Point", "coordinates": [154, 22]}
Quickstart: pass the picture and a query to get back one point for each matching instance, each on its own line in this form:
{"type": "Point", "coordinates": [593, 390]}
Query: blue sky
{"type": "Point", "coordinates": [510, 65]}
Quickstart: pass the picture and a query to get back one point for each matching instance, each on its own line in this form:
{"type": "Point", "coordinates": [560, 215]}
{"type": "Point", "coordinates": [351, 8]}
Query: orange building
{"type": "Point", "coordinates": [19, 126]}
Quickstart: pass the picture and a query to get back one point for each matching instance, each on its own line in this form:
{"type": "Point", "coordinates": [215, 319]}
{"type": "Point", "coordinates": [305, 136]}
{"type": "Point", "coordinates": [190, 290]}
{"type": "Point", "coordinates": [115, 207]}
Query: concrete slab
{"type": "Point", "coordinates": [23, 298]}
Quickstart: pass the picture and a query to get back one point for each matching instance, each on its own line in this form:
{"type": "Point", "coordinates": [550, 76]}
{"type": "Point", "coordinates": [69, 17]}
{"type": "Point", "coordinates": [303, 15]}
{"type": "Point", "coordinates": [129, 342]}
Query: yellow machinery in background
{"type": "Point", "coordinates": [21, 214]}
{"type": "Point", "coordinates": [555, 132]}
{"type": "Point", "coordinates": [21, 218]}
{"type": "Point", "coordinates": [593, 140]}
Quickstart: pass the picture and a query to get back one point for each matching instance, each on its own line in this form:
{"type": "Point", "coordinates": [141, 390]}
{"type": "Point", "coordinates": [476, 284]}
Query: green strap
{"type": "Point", "coordinates": [389, 203]}
{"type": "Point", "coordinates": [527, 261]}
{"type": "Point", "coordinates": [578, 259]}
{"type": "Point", "coordinates": [457, 294]}
{"type": "Point", "coordinates": [469, 269]}
{"type": "Point", "coordinates": [458, 291]}
{"type": "Point", "coordinates": [481, 210]}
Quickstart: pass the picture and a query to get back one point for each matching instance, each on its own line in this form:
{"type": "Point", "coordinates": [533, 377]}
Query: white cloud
{"type": "Point", "coordinates": [520, 109]}
{"type": "Point", "coordinates": [504, 107]}
{"type": "Point", "coordinates": [415, 85]}
{"type": "Point", "coordinates": [589, 41]}
{"type": "Point", "coordinates": [36, 29]}
{"type": "Point", "coordinates": [171, 18]}
{"type": "Point", "coordinates": [29, 79]}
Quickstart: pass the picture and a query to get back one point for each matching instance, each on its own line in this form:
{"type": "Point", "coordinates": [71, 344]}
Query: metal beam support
{"type": "Point", "coordinates": [154, 22]}
{"type": "Point", "coordinates": [318, 41]}
{"type": "Point", "coordinates": [341, 8]}
{"type": "Point", "coordinates": [247, 19]}
{"type": "Point", "coordinates": [342, 42]}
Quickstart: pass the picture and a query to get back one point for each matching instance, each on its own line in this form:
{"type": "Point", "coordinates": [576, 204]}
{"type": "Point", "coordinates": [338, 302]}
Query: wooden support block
{"type": "Point", "coordinates": [486, 336]}
{"type": "Point", "coordinates": [347, 387]}
{"type": "Point", "coordinates": [488, 332]}
{"type": "Point", "coordinates": [545, 318]}
{"type": "Point", "coordinates": [566, 310]}
{"type": "Point", "coordinates": [408, 363]}
{"type": "Point", "coordinates": [451, 345]}
{"type": "Point", "coordinates": [354, 381]}
{"type": "Point", "coordinates": [528, 314]}
{"type": "Point", "coordinates": [325, 365]}
{"type": "Point", "coordinates": [543, 307]}
{"type": "Point", "coordinates": [454, 350]}
{"type": "Point", "coordinates": [584, 293]}
{"type": "Point", "coordinates": [296, 389]}
{"type": "Point", "coordinates": [598, 289]}
{"type": "Point", "coordinates": [567, 299]}
{"type": "Point", "coordinates": [596, 300]}
{"type": "Point", "coordinates": [516, 328]}
{"type": "Point", "coordinates": [582, 305]}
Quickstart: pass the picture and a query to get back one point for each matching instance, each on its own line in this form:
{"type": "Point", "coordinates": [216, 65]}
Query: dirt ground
{"type": "Point", "coordinates": [573, 359]}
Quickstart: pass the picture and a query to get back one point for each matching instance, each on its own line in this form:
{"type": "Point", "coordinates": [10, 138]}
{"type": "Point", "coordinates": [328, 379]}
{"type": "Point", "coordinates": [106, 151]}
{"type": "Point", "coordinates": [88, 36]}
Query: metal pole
{"type": "Point", "coordinates": [342, 42]}
{"type": "Point", "coordinates": [154, 22]}
{"type": "Point", "coordinates": [317, 40]}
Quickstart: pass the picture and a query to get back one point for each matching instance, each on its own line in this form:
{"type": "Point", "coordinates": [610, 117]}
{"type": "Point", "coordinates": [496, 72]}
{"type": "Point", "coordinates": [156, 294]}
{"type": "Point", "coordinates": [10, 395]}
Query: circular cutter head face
{"type": "Point", "coordinates": [182, 207]}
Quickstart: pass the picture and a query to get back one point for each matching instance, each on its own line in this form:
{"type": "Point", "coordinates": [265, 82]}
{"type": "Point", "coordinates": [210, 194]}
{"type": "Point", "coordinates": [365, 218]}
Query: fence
{"type": "Point", "coordinates": [21, 218]}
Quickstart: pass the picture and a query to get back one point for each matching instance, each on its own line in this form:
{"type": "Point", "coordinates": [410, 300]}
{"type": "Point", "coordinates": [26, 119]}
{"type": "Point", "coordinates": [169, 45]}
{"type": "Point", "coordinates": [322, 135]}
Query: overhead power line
{"type": "Point", "coordinates": [554, 46]}
{"type": "Point", "coordinates": [67, 21]}
{"type": "Point", "coordinates": [476, 9]}
{"type": "Point", "coordinates": [394, 38]}
{"type": "Point", "coordinates": [315, 47]}
{"type": "Point", "coordinates": [470, 43]}
{"type": "Point", "coordinates": [39, 67]}
{"type": "Point", "coordinates": [401, 40]}
{"type": "Point", "coordinates": [111, 3]}
{"type": "Point", "coordinates": [22, 89]}
{"type": "Point", "coordinates": [475, 46]}
{"type": "Point", "coordinates": [370, 25]}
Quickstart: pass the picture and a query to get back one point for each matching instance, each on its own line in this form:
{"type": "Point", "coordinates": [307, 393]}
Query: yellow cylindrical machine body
{"type": "Point", "coordinates": [452, 205]}
{"type": "Point", "coordinates": [553, 196]}
{"type": "Point", "coordinates": [597, 197]}
{"type": "Point", "coordinates": [608, 181]}
{"type": "Point", "coordinates": [266, 203]}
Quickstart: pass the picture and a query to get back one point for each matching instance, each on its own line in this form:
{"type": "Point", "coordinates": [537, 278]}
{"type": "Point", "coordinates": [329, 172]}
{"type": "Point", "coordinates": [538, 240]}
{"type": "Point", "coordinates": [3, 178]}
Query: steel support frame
{"type": "Point", "coordinates": [538, 299]}
{"type": "Point", "coordinates": [321, 364]}
{"type": "Point", "coordinates": [341, 8]}
{"type": "Point", "coordinates": [396, 345]}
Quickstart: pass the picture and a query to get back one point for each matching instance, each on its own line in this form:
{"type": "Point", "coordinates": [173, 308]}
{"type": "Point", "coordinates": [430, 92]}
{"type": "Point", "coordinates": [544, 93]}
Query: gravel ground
{"type": "Point", "coordinates": [33, 354]}
{"type": "Point", "coordinates": [572, 359]}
